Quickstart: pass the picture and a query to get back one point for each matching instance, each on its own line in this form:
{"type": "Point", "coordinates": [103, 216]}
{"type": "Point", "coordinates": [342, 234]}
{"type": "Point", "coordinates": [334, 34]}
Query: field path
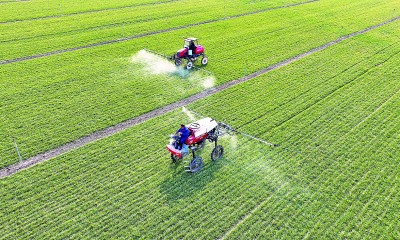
{"type": "Point", "coordinates": [41, 55]}
{"type": "Point", "coordinates": [7, 171]}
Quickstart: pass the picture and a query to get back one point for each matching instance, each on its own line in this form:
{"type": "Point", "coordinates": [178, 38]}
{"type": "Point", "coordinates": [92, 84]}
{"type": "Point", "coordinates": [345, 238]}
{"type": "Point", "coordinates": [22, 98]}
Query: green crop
{"type": "Point", "coordinates": [334, 114]}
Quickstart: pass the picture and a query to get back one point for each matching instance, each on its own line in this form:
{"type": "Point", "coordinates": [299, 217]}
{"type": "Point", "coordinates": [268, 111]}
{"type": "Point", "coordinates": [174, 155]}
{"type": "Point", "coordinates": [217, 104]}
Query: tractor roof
{"type": "Point", "coordinates": [202, 126]}
{"type": "Point", "coordinates": [191, 39]}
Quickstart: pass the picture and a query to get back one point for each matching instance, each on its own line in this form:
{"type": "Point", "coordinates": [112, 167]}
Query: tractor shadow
{"type": "Point", "coordinates": [182, 184]}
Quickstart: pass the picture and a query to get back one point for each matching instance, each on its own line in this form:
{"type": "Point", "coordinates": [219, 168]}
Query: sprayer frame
{"type": "Point", "coordinates": [201, 130]}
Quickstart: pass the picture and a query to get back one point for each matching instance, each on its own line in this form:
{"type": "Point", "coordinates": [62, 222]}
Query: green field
{"type": "Point", "coordinates": [334, 113]}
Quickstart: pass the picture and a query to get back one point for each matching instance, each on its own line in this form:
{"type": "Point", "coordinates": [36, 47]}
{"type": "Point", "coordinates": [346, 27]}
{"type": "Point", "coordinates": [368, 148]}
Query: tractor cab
{"type": "Point", "coordinates": [192, 47]}
{"type": "Point", "coordinates": [190, 43]}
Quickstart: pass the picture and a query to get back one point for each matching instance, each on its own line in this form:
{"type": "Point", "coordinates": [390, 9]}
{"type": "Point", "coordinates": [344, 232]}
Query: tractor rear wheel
{"type": "Point", "coordinates": [217, 153]}
{"type": "Point", "coordinates": [204, 60]}
{"type": "Point", "coordinates": [196, 164]}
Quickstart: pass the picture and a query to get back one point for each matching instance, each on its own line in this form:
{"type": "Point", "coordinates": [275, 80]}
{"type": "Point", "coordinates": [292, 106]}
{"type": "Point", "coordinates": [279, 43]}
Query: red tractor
{"type": "Point", "coordinates": [200, 131]}
{"type": "Point", "coordinates": [190, 52]}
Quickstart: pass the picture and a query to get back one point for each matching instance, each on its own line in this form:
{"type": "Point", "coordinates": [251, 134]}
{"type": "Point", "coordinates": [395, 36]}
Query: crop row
{"type": "Point", "coordinates": [96, 88]}
{"type": "Point", "coordinates": [352, 82]}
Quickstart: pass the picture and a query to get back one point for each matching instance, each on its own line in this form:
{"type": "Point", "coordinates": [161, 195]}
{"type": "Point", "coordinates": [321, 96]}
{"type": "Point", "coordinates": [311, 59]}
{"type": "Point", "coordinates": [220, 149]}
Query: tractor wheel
{"type": "Point", "coordinates": [178, 62]}
{"type": "Point", "coordinates": [217, 153]}
{"type": "Point", "coordinates": [189, 65]}
{"type": "Point", "coordinates": [196, 164]}
{"type": "Point", "coordinates": [204, 60]}
{"type": "Point", "coordinates": [174, 158]}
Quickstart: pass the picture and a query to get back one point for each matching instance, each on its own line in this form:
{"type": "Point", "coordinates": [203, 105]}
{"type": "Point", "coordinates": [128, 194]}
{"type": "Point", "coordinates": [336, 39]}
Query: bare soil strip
{"type": "Point", "coordinates": [7, 171]}
{"type": "Point", "coordinates": [147, 34]}
{"type": "Point", "coordinates": [89, 11]}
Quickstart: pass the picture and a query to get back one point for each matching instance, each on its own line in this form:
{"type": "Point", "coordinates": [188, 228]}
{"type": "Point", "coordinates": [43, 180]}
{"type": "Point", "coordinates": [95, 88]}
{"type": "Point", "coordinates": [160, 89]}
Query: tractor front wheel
{"type": "Point", "coordinates": [196, 164]}
{"type": "Point", "coordinates": [217, 153]}
{"type": "Point", "coordinates": [189, 65]}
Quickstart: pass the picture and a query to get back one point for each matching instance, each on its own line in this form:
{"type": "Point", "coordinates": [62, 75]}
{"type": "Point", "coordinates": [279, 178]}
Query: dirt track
{"type": "Point", "coordinates": [7, 171]}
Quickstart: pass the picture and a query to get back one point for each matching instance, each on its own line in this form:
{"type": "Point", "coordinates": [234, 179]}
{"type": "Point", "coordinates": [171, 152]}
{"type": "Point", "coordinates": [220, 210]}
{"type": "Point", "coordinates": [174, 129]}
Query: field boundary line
{"type": "Point", "coordinates": [11, 169]}
{"type": "Point", "coordinates": [41, 55]}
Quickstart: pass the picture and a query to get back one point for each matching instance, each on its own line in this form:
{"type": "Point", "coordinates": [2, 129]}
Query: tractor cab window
{"type": "Point", "coordinates": [192, 46]}
{"type": "Point", "coordinates": [189, 44]}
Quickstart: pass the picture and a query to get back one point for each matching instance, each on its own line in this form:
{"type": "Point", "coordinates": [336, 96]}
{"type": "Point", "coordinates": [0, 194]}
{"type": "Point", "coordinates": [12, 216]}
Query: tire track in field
{"type": "Point", "coordinates": [332, 153]}
{"type": "Point", "coordinates": [7, 171]}
{"type": "Point", "coordinates": [41, 55]}
{"type": "Point", "coordinates": [85, 12]}
{"type": "Point", "coordinates": [375, 111]}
